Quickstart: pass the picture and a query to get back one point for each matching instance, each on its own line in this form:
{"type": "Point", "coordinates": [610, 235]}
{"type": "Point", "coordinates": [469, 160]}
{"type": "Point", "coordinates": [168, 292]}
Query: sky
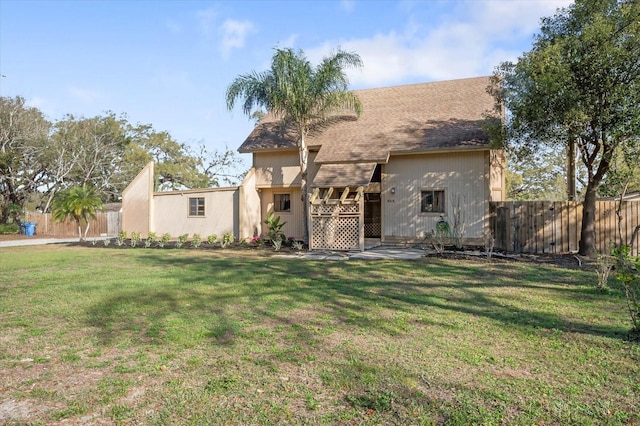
{"type": "Point", "coordinates": [168, 63]}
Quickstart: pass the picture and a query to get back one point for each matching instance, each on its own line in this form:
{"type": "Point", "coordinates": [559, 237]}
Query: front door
{"type": "Point", "coordinates": [372, 215]}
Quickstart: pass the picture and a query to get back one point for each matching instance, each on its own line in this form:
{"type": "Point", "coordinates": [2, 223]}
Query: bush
{"type": "Point", "coordinates": [151, 238]}
{"type": "Point", "coordinates": [227, 239]}
{"type": "Point", "coordinates": [164, 240]}
{"type": "Point", "coordinates": [9, 228]}
{"type": "Point", "coordinates": [628, 274]}
{"type": "Point", "coordinates": [211, 239]}
{"type": "Point", "coordinates": [181, 240]}
{"type": "Point", "coordinates": [196, 240]}
{"type": "Point", "coordinates": [275, 233]}
{"type": "Point", "coordinates": [122, 235]}
{"type": "Point", "coordinates": [135, 238]}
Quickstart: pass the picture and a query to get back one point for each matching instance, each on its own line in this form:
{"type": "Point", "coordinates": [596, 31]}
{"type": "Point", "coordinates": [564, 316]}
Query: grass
{"type": "Point", "coordinates": [144, 336]}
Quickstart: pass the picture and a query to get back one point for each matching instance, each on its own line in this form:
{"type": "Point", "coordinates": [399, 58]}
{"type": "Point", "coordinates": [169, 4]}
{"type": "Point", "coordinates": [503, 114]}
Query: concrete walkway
{"type": "Point", "coordinates": [35, 241]}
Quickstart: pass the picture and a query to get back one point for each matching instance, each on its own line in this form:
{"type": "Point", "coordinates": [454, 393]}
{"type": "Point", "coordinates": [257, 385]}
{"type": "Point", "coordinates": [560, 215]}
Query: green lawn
{"type": "Point", "coordinates": [147, 336]}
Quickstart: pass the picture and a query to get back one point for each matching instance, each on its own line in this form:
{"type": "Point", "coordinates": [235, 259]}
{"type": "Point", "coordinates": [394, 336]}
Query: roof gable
{"type": "Point", "coordinates": [400, 119]}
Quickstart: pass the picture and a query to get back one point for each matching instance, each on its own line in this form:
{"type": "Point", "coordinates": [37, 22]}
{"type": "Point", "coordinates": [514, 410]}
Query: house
{"type": "Point", "coordinates": [416, 154]}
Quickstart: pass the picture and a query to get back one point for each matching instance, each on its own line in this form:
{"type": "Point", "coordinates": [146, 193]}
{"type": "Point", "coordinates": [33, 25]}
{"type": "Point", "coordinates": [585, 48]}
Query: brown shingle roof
{"type": "Point", "coordinates": [343, 175]}
{"type": "Point", "coordinates": [401, 119]}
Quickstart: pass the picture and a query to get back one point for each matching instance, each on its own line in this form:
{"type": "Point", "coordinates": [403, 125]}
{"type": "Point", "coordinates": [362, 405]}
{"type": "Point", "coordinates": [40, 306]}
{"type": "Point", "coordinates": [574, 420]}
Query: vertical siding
{"type": "Point", "coordinates": [277, 168]}
{"type": "Point", "coordinates": [496, 175]}
{"type": "Point", "coordinates": [294, 219]}
{"type": "Point", "coordinates": [459, 174]}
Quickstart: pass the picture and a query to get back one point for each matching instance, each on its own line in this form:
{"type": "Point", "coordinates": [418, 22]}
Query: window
{"type": "Point", "coordinates": [432, 201]}
{"type": "Point", "coordinates": [196, 206]}
{"type": "Point", "coordinates": [282, 202]}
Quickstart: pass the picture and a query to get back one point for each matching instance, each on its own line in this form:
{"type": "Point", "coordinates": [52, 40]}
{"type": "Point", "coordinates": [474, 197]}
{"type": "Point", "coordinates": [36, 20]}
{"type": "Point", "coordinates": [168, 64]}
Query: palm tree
{"type": "Point", "coordinates": [301, 96]}
{"type": "Point", "coordinates": [79, 202]}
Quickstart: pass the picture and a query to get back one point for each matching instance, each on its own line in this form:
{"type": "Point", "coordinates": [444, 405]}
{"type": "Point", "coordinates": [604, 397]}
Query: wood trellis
{"type": "Point", "coordinates": [337, 223]}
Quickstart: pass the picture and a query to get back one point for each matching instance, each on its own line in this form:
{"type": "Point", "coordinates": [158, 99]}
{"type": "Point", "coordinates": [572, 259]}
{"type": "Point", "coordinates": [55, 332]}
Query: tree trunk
{"type": "Point", "coordinates": [587, 246]}
{"type": "Point", "coordinates": [86, 231]}
{"type": "Point", "coordinates": [571, 168]}
{"type": "Point", "coordinates": [304, 157]}
{"type": "Point", "coordinates": [79, 230]}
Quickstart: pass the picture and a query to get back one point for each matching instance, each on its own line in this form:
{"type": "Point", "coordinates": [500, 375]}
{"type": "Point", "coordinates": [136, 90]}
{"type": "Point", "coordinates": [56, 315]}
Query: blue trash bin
{"type": "Point", "coordinates": [30, 229]}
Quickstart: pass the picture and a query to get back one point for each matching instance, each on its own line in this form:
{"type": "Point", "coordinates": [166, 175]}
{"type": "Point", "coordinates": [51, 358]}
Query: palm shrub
{"type": "Point", "coordinates": [78, 202]}
{"type": "Point", "coordinates": [304, 97]}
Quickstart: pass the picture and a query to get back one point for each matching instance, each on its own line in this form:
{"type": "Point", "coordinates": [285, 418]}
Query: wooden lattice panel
{"type": "Point", "coordinates": [372, 230]}
{"type": "Point", "coordinates": [336, 226]}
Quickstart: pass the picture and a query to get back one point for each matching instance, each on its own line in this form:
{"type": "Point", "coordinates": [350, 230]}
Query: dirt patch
{"type": "Point", "coordinates": [560, 260]}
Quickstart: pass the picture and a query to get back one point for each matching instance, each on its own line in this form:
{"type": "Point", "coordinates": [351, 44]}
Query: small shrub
{"type": "Point", "coordinates": [277, 244]}
{"type": "Point", "coordinates": [258, 241]}
{"type": "Point", "coordinates": [135, 239]}
{"type": "Point", "coordinates": [296, 245]}
{"type": "Point", "coordinates": [628, 274]}
{"type": "Point", "coordinates": [164, 239]}
{"type": "Point", "coordinates": [227, 239]}
{"type": "Point", "coordinates": [9, 228]}
{"type": "Point", "coordinates": [151, 238]}
{"type": "Point", "coordinates": [122, 235]}
{"type": "Point", "coordinates": [604, 266]}
{"type": "Point", "coordinates": [181, 240]}
{"type": "Point", "coordinates": [275, 228]}
{"type": "Point", "coordinates": [196, 241]}
{"type": "Point", "coordinates": [211, 239]}
{"type": "Point", "coordinates": [106, 242]}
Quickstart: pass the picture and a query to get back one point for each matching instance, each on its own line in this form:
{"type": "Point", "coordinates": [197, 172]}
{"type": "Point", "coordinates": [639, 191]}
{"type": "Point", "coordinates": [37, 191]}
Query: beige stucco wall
{"type": "Point", "coordinates": [221, 208]}
{"type": "Point", "coordinates": [250, 207]}
{"type": "Point", "coordinates": [460, 174]}
{"type": "Point", "coordinates": [137, 203]}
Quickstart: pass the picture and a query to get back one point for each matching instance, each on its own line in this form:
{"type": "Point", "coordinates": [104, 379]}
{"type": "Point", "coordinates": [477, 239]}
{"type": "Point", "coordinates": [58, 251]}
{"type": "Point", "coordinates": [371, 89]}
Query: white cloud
{"type": "Point", "coordinates": [86, 96]}
{"type": "Point", "coordinates": [348, 5]}
{"type": "Point", "coordinates": [206, 21]}
{"type": "Point", "coordinates": [471, 41]}
{"type": "Point", "coordinates": [173, 26]}
{"type": "Point", "coordinates": [288, 42]}
{"type": "Point", "coordinates": [234, 34]}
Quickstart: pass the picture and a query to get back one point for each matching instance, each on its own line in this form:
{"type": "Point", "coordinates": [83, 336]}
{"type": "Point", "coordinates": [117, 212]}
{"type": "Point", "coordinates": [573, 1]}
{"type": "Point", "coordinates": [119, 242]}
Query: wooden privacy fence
{"type": "Point", "coordinates": [106, 224]}
{"type": "Point", "coordinates": [554, 227]}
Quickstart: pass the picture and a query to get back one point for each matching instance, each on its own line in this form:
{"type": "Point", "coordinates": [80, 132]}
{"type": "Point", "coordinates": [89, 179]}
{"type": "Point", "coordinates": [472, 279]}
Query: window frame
{"type": "Point", "coordinates": [199, 205]}
{"type": "Point", "coordinates": [278, 204]}
{"type": "Point", "coordinates": [433, 192]}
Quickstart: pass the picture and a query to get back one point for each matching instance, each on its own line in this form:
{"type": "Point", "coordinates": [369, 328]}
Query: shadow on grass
{"type": "Point", "coordinates": [210, 296]}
